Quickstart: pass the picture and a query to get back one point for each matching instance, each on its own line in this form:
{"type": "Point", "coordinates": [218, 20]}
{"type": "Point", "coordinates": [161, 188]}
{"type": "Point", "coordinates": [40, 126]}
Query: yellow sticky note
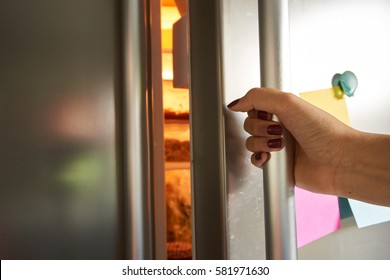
{"type": "Point", "coordinates": [330, 101]}
{"type": "Point", "coordinates": [318, 215]}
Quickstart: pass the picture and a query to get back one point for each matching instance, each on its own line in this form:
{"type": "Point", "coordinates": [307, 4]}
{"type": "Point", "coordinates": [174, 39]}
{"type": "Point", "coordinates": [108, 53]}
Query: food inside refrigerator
{"type": "Point", "coordinates": [176, 146]}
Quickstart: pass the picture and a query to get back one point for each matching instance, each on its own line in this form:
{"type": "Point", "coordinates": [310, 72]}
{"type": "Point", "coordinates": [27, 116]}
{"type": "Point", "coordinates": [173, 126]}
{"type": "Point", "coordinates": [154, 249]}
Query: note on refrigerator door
{"type": "Point", "coordinates": [368, 214]}
{"type": "Point", "coordinates": [365, 214]}
{"type": "Point", "coordinates": [327, 100]}
{"type": "Point", "coordinates": [318, 215]}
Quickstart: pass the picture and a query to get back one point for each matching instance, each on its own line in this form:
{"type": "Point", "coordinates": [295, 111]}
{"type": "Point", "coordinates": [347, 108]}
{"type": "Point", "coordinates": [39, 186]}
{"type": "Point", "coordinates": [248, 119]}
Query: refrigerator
{"type": "Point", "coordinates": [296, 46]}
{"type": "Point", "coordinates": [94, 164]}
{"type": "Point", "coordinates": [76, 172]}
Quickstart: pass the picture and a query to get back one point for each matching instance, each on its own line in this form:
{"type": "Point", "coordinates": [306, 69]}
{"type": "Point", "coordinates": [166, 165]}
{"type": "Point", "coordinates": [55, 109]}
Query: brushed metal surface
{"type": "Point", "coordinates": [240, 71]}
{"type": "Point", "coordinates": [319, 48]}
{"type": "Point", "coordinates": [58, 165]}
{"type": "Point", "coordinates": [137, 128]}
{"type": "Point", "coordinates": [207, 138]}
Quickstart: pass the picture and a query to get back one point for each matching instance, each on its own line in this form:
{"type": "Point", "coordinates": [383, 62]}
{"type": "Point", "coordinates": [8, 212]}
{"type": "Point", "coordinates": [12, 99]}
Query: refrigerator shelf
{"type": "Point", "coordinates": [177, 165]}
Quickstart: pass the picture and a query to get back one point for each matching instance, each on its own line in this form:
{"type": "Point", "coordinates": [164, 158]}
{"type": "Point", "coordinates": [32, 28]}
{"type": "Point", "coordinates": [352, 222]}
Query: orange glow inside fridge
{"type": "Point", "coordinates": [176, 142]}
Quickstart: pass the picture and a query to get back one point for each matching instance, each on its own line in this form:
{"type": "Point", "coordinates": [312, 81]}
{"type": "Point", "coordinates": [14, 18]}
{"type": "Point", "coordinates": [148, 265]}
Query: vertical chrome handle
{"type": "Point", "coordinates": [137, 175]}
{"type": "Point", "coordinates": [278, 173]}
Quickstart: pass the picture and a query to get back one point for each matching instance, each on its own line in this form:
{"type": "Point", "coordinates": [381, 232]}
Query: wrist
{"type": "Point", "coordinates": [352, 145]}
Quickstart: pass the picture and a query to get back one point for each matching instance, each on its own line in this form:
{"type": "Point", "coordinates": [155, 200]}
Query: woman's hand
{"type": "Point", "coordinates": [320, 138]}
{"type": "Point", "coordinates": [330, 157]}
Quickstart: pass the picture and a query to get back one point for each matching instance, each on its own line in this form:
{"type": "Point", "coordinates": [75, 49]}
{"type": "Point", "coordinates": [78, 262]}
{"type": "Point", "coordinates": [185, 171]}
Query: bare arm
{"type": "Point", "coordinates": [365, 169]}
{"type": "Point", "coordinates": [330, 157]}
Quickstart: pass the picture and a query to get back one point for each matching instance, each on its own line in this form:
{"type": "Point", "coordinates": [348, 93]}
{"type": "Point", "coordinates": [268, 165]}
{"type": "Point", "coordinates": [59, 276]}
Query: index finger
{"type": "Point", "coordinates": [260, 99]}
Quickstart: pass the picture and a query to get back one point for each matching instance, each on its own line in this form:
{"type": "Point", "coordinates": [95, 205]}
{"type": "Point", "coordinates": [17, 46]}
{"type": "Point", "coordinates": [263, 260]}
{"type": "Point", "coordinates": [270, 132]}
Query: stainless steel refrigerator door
{"type": "Point", "coordinates": [228, 191]}
{"type": "Point", "coordinates": [59, 80]}
{"type": "Point", "coordinates": [61, 148]}
{"type": "Point", "coordinates": [250, 213]}
{"type": "Point", "coordinates": [326, 37]}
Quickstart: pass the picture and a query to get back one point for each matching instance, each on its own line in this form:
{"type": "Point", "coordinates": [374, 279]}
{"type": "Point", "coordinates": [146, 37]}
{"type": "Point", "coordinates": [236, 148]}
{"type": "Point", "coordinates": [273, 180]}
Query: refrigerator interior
{"type": "Point", "coordinates": [176, 142]}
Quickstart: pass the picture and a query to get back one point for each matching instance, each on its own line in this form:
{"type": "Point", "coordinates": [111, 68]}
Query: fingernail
{"type": "Point", "coordinates": [233, 103]}
{"type": "Point", "coordinates": [263, 115]}
{"type": "Point", "coordinates": [275, 143]}
{"type": "Point", "coordinates": [275, 129]}
{"type": "Point", "coordinates": [258, 156]}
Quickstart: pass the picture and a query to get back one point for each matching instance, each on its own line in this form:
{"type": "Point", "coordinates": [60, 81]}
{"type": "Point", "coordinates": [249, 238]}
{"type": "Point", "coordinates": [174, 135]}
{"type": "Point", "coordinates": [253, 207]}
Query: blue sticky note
{"type": "Point", "coordinates": [345, 208]}
{"type": "Point", "coordinates": [368, 214]}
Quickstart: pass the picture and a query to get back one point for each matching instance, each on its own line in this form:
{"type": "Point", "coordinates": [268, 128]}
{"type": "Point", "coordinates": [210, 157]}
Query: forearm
{"type": "Point", "coordinates": [364, 172]}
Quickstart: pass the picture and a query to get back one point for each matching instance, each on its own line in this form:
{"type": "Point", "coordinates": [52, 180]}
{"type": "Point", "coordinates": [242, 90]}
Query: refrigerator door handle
{"type": "Point", "coordinates": [280, 228]}
{"type": "Point", "coordinates": [137, 173]}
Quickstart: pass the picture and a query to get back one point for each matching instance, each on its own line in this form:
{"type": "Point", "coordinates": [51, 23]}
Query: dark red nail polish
{"type": "Point", "coordinates": [262, 115]}
{"type": "Point", "coordinates": [275, 143]}
{"type": "Point", "coordinates": [258, 156]}
{"type": "Point", "coordinates": [274, 129]}
{"type": "Point", "coordinates": [233, 103]}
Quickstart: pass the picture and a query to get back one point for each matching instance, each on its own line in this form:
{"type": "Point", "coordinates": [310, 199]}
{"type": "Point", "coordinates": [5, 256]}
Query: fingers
{"type": "Point", "coordinates": [266, 135]}
{"type": "Point", "coordinates": [262, 128]}
{"type": "Point", "coordinates": [259, 159]}
{"type": "Point", "coordinates": [261, 148]}
{"type": "Point", "coordinates": [262, 115]}
{"type": "Point", "coordinates": [260, 99]}
{"type": "Point", "coordinates": [264, 144]}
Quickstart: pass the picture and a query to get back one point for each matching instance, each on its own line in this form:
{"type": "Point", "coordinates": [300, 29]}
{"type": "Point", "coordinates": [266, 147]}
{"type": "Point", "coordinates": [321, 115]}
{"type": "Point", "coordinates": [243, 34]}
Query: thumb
{"type": "Point", "coordinates": [261, 99]}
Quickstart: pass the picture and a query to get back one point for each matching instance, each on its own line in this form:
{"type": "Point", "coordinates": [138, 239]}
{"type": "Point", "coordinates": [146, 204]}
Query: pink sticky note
{"type": "Point", "coordinates": [317, 215]}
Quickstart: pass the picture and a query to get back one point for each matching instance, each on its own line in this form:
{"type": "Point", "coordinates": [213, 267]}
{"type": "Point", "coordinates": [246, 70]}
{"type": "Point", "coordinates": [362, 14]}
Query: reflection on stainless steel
{"type": "Point", "coordinates": [138, 173]}
{"type": "Point", "coordinates": [240, 72]}
{"type": "Point", "coordinates": [317, 53]}
{"type": "Point", "coordinates": [58, 166]}
{"type": "Point", "coordinates": [208, 185]}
